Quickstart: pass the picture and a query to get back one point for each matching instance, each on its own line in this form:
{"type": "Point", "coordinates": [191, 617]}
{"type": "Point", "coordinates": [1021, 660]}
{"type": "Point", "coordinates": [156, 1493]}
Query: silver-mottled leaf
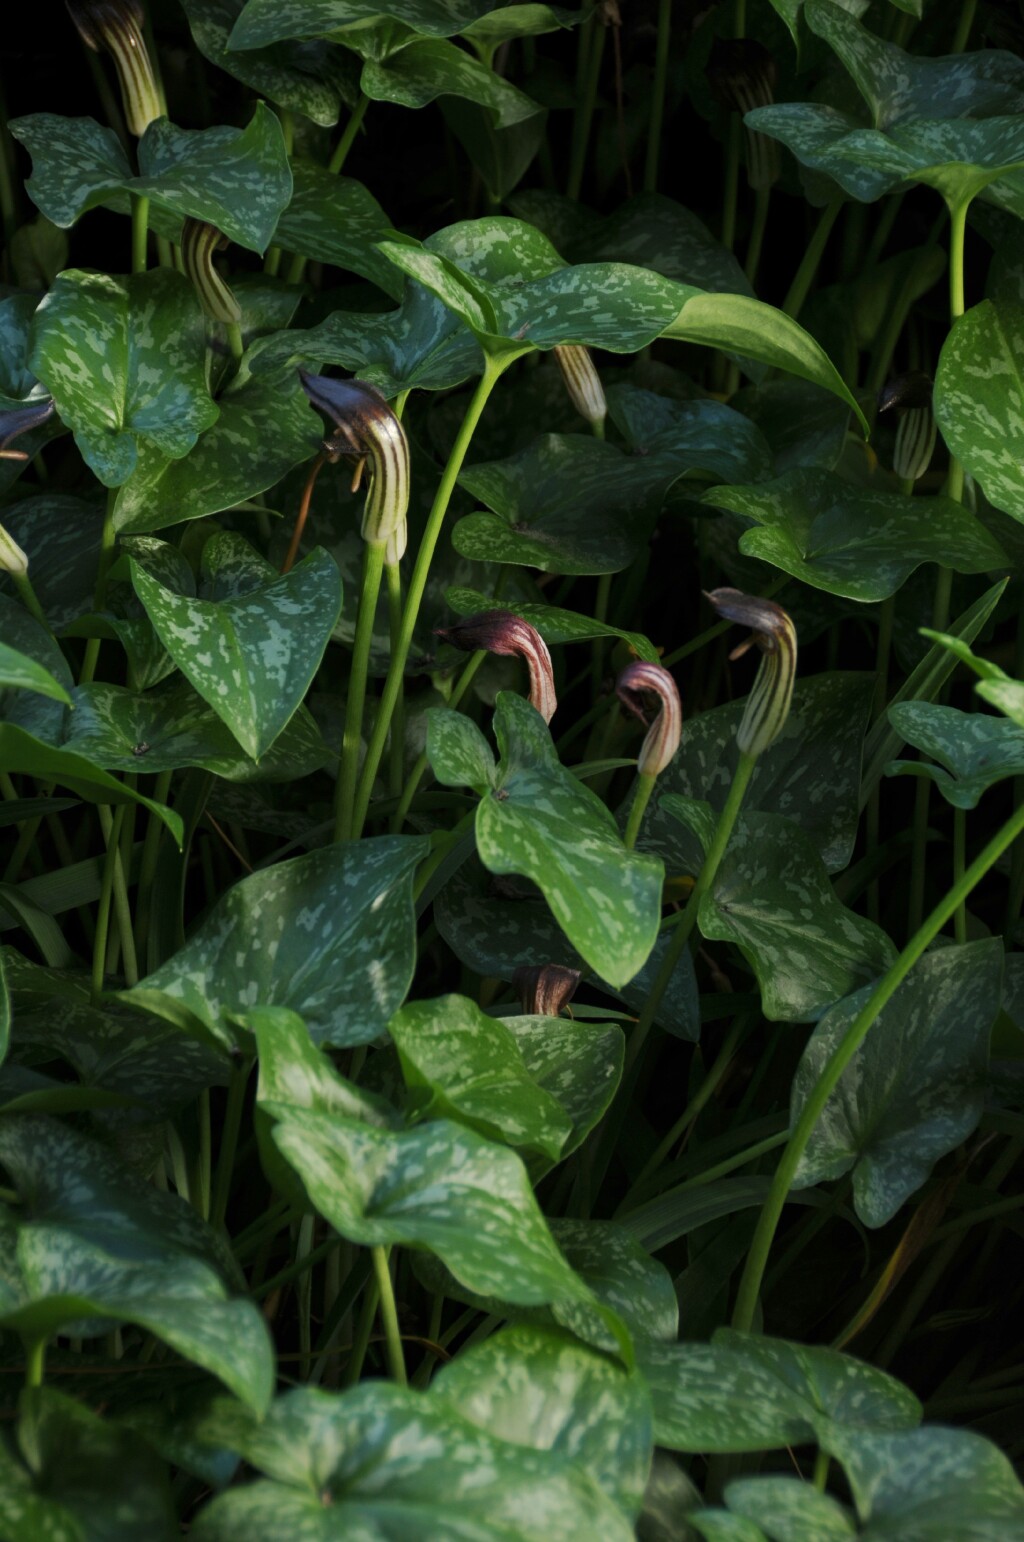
{"type": "Point", "coordinates": [381, 1462]}
{"type": "Point", "coordinates": [915, 1088]}
{"type": "Point", "coordinates": [745, 1392]}
{"type": "Point", "coordinates": [123, 359]}
{"type": "Point", "coordinates": [538, 1388]}
{"type": "Point", "coordinates": [979, 399]}
{"type": "Point", "coordinates": [252, 657]}
{"type": "Point", "coordinates": [330, 934]}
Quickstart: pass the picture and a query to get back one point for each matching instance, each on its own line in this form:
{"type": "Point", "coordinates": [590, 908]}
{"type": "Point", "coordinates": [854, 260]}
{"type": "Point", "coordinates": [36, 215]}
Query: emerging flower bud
{"type": "Point", "coordinates": [18, 420]}
{"type": "Point", "coordinates": [199, 241]}
{"type": "Point", "coordinates": [582, 382]}
{"type": "Point", "coordinates": [910, 397]}
{"type": "Point", "coordinates": [499, 631]}
{"type": "Point", "coordinates": [742, 73]}
{"type": "Point", "coordinates": [364, 425]}
{"type": "Point", "coordinates": [662, 739]}
{"type": "Point", "coordinates": [775, 635]}
{"type": "Point", "coordinates": [116, 25]}
{"type": "Point", "coordinates": [12, 558]}
{"type": "Point", "coordinates": [545, 989]}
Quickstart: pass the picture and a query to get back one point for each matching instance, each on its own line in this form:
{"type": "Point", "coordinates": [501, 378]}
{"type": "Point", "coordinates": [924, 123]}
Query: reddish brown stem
{"type": "Point", "coordinates": [303, 514]}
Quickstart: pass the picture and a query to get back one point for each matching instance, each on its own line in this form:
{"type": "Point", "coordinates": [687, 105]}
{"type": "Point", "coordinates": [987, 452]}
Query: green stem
{"type": "Point", "coordinates": [641, 797]}
{"type": "Point", "coordinates": [957, 230]}
{"type": "Point", "coordinates": [811, 260]}
{"type": "Point", "coordinates": [697, 1103]}
{"type": "Point", "coordinates": [585, 106]}
{"type": "Point", "coordinates": [108, 541]}
{"type": "Point", "coordinates": [99, 949]}
{"type": "Point", "coordinates": [417, 587]}
{"type": "Point", "coordinates": [964, 25]}
{"type": "Point", "coordinates": [297, 266]}
{"type": "Point", "coordinates": [416, 774]}
{"type": "Point", "coordinates": [782, 1182]}
{"type": "Point", "coordinates": [712, 861]}
{"type": "Point", "coordinates": [147, 864]}
{"type": "Point", "coordinates": [345, 792]}
{"type": "Point", "coordinates": [658, 96]}
{"type": "Point", "coordinates": [229, 1141]}
{"type": "Point", "coordinates": [821, 1465]}
{"type": "Point", "coordinates": [959, 864]}
{"type": "Point", "coordinates": [28, 597]}
{"type": "Point", "coordinates": [140, 232]}
{"type": "Point", "coordinates": [762, 198]}
{"type": "Point", "coordinates": [235, 340]}
{"type": "Point", "coordinates": [35, 1362]}
{"type": "Point", "coordinates": [389, 1315]}
{"type": "Point", "coordinates": [205, 1167]}
{"type": "Point", "coordinates": [361, 1337]}
{"type": "Point", "coordinates": [122, 906]}
{"type": "Point", "coordinates": [396, 756]}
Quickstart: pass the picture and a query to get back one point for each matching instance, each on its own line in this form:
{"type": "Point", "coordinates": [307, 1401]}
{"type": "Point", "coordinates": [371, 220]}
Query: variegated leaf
{"type": "Point", "coordinates": [915, 1088]}
{"type": "Point", "coordinates": [979, 399]}
{"type": "Point", "coordinates": [745, 1392]}
{"type": "Point", "coordinates": [975, 750]}
{"type": "Point", "coordinates": [330, 934]}
{"type": "Point", "coordinates": [853, 541]}
{"type": "Point", "coordinates": [88, 1243]}
{"type": "Point", "coordinates": [124, 359]}
{"type": "Point", "coordinates": [344, 1466]}
{"type": "Point", "coordinates": [538, 1388]}
{"type": "Point", "coordinates": [252, 657]}
{"type": "Point", "coordinates": [537, 820]}
{"type": "Point", "coordinates": [431, 67]}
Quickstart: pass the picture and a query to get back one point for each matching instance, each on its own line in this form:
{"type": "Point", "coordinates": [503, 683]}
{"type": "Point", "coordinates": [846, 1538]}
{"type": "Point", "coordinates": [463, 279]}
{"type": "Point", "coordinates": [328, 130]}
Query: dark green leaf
{"type": "Point", "coordinates": [124, 359]}
{"type": "Point", "coordinates": [976, 750]}
{"type": "Point", "coordinates": [90, 1243]}
{"type": "Point", "coordinates": [266, 426]}
{"type": "Point", "coordinates": [19, 751]}
{"type": "Point", "coordinates": [539, 821]}
{"type": "Point", "coordinates": [18, 672]}
{"type": "Point", "coordinates": [811, 774]}
{"type": "Point", "coordinates": [743, 1392]}
{"type": "Point", "coordinates": [979, 391]}
{"type": "Point", "coordinates": [236, 179]}
{"type": "Point", "coordinates": [431, 67]}
{"type": "Point", "coordinates": [790, 1508]}
{"type": "Point", "coordinates": [854, 541]}
{"type": "Point", "coordinates": [460, 1064]}
{"type": "Point", "coordinates": [567, 504]}
{"type": "Point", "coordinates": [930, 1485]}
{"type": "Point", "coordinates": [76, 164]}
{"type": "Point", "coordinates": [251, 658]}
{"type": "Point", "coordinates": [773, 899]}
{"type": "Point", "coordinates": [337, 220]}
{"type": "Point", "coordinates": [439, 1187]}
{"type": "Point", "coordinates": [703, 439]}
{"type": "Point", "coordinates": [79, 1478]}
{"type": "Point", "coordinates": [915, 1088]}
{"type": "Point", "coordinates": [330, 934]}
{"type": "Point", "coordinates": [383, 1461]}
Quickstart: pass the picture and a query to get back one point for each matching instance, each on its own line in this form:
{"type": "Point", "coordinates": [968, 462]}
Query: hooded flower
{"type": "Point", "coordinates": [662, 740]}
{"type": "Point", "coordinates": [742, 72]}
{"type": "Point", "coordinates": [499, 631]}
{"type": "Point", "coordinates": [582, 382]}
{"type": "Point", "coordinates": [18, 420]}
{"type": "Point", "coordinates": [199, 241]}
{"type": "Point", "coordinates": [910, 397]}
{"type": "Point", "coordinates": [366, 427]}
{"type": "Point", "coordinates": [116, 25]}
{"type": "Point", "coordinates": [545, 989]}
{"type": "Point", "coordinates": [774, 633]}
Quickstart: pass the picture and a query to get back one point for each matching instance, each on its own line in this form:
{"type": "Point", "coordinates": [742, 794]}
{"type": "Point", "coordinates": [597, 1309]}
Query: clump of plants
{"type": "Point", "coordinates": [511, 744]}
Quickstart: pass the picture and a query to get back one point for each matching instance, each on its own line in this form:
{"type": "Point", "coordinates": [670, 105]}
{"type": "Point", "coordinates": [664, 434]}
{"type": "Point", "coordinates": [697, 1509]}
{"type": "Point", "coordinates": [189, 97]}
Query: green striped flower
{"type": "Point", "coordinates": [774, 633]}
{"type": "Point", "coordinates": [199, 241]}
{"type": "Point", "coordinates": [116, 25]}
{"type": "Point", "coordinates": [366, 428]}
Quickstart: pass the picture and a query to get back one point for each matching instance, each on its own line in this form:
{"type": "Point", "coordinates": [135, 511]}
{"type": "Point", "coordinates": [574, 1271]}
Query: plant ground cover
{"type": "Point", "coordinates": [511, 755]}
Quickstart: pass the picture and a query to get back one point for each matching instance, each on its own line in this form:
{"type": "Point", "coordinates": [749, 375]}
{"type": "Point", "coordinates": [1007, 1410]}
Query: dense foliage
{"type": "Point", "coordinates": [511, 743]}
